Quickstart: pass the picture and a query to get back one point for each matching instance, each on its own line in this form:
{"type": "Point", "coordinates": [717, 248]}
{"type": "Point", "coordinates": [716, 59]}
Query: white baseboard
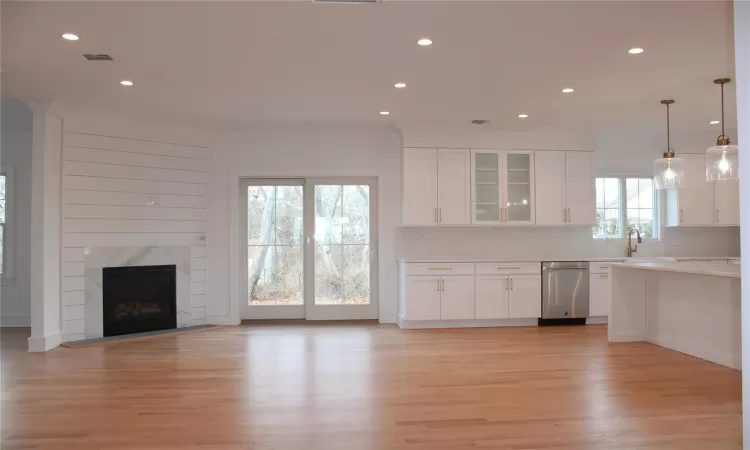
{"type": "Point", "coordinates": [15, 321]}
{"type": "Point", "coordinates": [44, 343]}
{"type": "Point", "coordinates": [220, 320]}
{"type": "Point", "coordinates": [597, 320]}
{"type": "Point", "coordinates": [431, 324]}
{"type": "Point", "coordinates": [390, 318]}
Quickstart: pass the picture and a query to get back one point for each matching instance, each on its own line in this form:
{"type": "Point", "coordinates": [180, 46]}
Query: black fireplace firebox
{"type": "Point", "coordinates": [138, 299]}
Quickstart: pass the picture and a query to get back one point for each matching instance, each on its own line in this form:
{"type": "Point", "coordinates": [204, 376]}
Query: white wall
{"type": "Point", "coordinates": [351, 152]}
{"type": "Point", "coordinates": [16, 144]}
{"type": "Point", "coordinates": [742, 78]}
{"type": "Point", "coordinates": [127, 183]}
{"type": "Point", "coordinates": [615, 154]}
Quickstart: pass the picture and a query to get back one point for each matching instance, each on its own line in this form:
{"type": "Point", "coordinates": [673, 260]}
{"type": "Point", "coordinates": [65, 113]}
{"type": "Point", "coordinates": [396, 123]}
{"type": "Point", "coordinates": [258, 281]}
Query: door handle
{"type": "Point", "coordinates": [568, 215]}
{"type": "Point", "coordinates": [506, 283]}
{"type": "Point", "coordinates": [565, 215]}
{"type": "Point", "coordinates": [438, 284]}
{"type": "Point", "coordinates": [511, 284]}
{"type": "Point", "coordinates": [434, 215]}
{"type": "Point", "coordinates": [717, 215]}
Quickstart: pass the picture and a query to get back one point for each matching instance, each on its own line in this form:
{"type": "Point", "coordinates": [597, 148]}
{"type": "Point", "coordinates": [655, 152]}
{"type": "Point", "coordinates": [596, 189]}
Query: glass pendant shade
{"type": "Point", "coordinates": [722, 163]}
{"type": "Point", "coordinates": [669, 172]}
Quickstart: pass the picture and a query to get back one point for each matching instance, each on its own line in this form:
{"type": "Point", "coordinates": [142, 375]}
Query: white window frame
{"type": "Point", "coordinates": [623, 209]}
{"type": "Point", "coordinates": [9, 240]}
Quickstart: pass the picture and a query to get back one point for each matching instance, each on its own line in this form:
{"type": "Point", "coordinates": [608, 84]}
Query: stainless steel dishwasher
{"type": "Point", "coordinates": [565, 292]}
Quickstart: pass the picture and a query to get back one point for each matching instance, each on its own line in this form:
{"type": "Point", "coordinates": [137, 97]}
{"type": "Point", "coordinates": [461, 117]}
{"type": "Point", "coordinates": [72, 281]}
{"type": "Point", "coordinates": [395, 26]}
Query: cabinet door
{"type": "Point", "coordinates": [727, 201]}
{"type": "Point", "coordinates": [486, 189]}
{"type": "Point", "coordinates": [518, 186]}
{"type": "Point", "coordinates": [525, 297]}
{"type": "Point", "coordinates": [420, 187]}
{"type": "Point", "coordinates": [454, 187]}
{"type": "Point", "coordinates": [599, 295]}
{"type": "Point", "coordinates": [696, 199]}
{"type": "Point", "coordinates": [491, 297]}
{"type": "Point", "coordinates": [457, 297]}
{"type": "Point", "coordinates": [579, 188]}
{"type": "Point", "coordinates": [550, 187]}
{"type": "Point", "coordinates": [422, 298]}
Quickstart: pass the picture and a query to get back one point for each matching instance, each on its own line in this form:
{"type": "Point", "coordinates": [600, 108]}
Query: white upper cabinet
{"type": "Point", "coordinates": [564, 188]}
{"type": "Point", "coordinates": [579, 188]}
{"type": "Point", "coordinates": [502, 187]}
{"type": "Point", "coordinates": [727, 202]}
{"type": "Point", "coordinates": [701, 202]}
{"type": "Point", "coordinates": [551, 204]}
{"type": "Point", "coordinates": [454, 192]}
{"type": "Point", "coordinates": [420, 187]}
{"type": "Point", "coordinates": [436, 187]}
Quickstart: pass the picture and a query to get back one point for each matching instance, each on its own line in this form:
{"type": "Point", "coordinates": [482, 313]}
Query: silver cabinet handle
{"type": "Point", "coordinates": [440, 215]}
{"type": "Point", "coordinates": [565, 215]}
{"type": "Point", "coordinates": [506, 283]}
{"type": "Point", "coordinates": [440, 268]}
{"type": "Point", "coordinates": [717, 215]}
{"type": "Point", "coordinates": [681, 216]}
{"type": "Point", "coordinates": [438, 284]}
{"type": "Point", "coordinates": [568, 215]}
{"type": "Point", "coordinates": [442, 282]}
{"type": "Point", "coordinates": [508, 268]}
{"type": "Point", "coordinates": [434, 214]}
{"type": "Point", "coordinates": [511, 284]}
{"type": "Point", "coordinates": [604, 276]}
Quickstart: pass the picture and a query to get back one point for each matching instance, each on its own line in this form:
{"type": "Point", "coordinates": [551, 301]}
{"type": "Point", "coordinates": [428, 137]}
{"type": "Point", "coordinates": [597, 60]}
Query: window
{"type": "Point", "coordinates": [623, 203]}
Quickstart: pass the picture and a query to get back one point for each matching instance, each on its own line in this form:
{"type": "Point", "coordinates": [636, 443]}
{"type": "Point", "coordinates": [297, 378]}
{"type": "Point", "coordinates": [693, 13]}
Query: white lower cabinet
{"type": "Point", "coordinates": [525, 296]}
{"type": "Point", "coordinates": [422, 298]}
{"type": "Point", "coordinates": [457, 297]}
{"type": "Point", "coordinates": [491, 297]}
{"type": "Point", "coordinates": [599, 297]}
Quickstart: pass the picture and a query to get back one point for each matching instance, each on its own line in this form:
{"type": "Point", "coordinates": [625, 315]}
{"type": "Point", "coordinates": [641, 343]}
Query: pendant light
{"type": "Point", "coordinates": [722, 161]}
{"type": "Point", "coordinates": [669, 172]}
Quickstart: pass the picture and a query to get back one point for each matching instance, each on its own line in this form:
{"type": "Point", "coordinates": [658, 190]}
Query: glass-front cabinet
{"type": "Point", "coordinates": [502, 187]}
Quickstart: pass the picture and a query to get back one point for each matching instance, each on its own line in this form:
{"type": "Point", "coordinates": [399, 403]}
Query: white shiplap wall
{"type": "Point", "coordinates": [124, 192]}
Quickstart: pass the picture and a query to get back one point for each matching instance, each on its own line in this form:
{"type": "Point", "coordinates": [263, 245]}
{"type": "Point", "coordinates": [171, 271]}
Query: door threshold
{"type": "Point", "coordinates": [308, 322]}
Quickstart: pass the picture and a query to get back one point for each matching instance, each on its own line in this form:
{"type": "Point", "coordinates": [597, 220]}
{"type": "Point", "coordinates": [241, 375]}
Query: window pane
{"type": "Point", "coordinates": [600, 192]}
{"type": "Point", "coordinates": [328, 214]}
{"type": "Point", "coordinates": [288, 215]}
{"type": "Point", "coordinates": [631, 190]}
{"type": "Point", "coordinates": [611, 193]}
{"type": "Point", "coordinates": [646, 193]}
{"type": "Point", "coordinates": [261, 201]}
{"type": "Point", "coordinates": [646, 224]}
{"type": "Point", "coordinates": [633, 219]}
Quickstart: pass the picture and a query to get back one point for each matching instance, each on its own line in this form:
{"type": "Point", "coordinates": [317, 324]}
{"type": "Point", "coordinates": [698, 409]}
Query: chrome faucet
{"type": "Point", "coordinates": [632, 249]}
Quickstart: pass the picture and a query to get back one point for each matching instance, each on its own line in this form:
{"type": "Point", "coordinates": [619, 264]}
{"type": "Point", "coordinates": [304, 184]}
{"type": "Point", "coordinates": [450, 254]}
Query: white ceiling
{"type": "Point", "coordinates": [238, 63]}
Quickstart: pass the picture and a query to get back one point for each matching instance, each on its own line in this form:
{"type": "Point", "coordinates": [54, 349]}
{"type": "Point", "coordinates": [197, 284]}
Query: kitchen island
{"type": "Point", "coordinates": [691, 307]}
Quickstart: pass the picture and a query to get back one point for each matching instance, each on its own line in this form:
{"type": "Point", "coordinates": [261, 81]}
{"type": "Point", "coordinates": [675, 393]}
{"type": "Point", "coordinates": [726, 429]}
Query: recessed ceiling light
{"type": "Point", "coordinates": [568, 90]}
{"type": "Point", "coordinates": [400, 85]}
{"type": "Point", "coordinates": [126, 83]}
{"type": "Point", "coordinates": [635, 51]}
{"type": "Point", "coordinates": [714, 122]}
{"type": "Point", "coordinates": [523, 116]}
{"type": "Point", "coordinates": [384, 113]}
{"type": "Point", "coordinates": [424, 42]}
{"type": "Point", "coordinates": [70, 36]}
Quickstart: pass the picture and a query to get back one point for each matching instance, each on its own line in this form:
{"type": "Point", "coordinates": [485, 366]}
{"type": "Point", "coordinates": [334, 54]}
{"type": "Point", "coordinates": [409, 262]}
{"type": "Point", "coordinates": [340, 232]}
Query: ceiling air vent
{"type": "Point", "coordinates": [346, 1]}
{"type": "Point", "coordinates": [97, 57]}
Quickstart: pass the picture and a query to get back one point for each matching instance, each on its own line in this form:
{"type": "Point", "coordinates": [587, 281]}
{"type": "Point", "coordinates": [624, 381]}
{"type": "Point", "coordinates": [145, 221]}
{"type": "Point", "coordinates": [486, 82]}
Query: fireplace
{"type": "Point", "coordinates": [138, 299]}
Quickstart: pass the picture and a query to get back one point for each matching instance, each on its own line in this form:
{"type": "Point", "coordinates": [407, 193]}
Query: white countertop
{"type": "Point", "coordinates": [466, 259]}
{"type": "Point", "coordinates": [691, 267]}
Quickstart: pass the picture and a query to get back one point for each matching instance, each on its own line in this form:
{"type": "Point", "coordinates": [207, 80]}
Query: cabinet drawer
{"type": "Point", "coordinates": [505, 268]}
{"type": "Point", "coordinates": [601, 267]}
{"type": "Point", "coordinates": [440, 269]}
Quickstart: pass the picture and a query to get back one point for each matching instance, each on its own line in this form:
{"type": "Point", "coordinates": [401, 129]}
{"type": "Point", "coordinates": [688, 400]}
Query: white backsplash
{"type": "Point", "coordinates": [559, 243]}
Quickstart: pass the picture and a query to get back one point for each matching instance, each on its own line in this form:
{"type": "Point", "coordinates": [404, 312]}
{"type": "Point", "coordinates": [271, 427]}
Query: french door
{"type": "Point", "coordinates": [309, 248]}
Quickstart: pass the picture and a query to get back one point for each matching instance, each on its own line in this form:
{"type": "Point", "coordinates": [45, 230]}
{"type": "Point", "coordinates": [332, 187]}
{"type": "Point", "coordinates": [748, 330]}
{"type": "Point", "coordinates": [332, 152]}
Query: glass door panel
{"type": "Point", "coordinates": [275, 251]}
{"type": "Point", "coordinates": [343, 262]}
{"type": "Point", "coordinates": [486, 186]}
{"type": "Point", "coordinates": [519, 187]}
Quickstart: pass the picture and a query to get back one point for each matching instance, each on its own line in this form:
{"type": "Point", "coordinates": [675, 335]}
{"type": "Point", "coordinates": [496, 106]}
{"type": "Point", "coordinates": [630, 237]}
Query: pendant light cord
{"type": "Point", "coordinates": [723, 135]}
{"type": "Point", "coordinates": [669, 146]}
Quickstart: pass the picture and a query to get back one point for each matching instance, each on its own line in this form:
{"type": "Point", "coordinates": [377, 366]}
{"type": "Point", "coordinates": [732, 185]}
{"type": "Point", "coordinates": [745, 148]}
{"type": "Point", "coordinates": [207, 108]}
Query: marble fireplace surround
{"type": "Point", "coordinates": [96, 258]}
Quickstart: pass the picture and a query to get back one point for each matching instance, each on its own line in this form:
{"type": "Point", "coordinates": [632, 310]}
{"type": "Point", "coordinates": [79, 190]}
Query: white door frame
{"type": "Point", "coordinates": [309, 310]}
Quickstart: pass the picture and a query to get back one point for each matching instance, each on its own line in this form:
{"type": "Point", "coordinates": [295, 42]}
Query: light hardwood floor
{"type": "Point", "coordinates": [367, 387]}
